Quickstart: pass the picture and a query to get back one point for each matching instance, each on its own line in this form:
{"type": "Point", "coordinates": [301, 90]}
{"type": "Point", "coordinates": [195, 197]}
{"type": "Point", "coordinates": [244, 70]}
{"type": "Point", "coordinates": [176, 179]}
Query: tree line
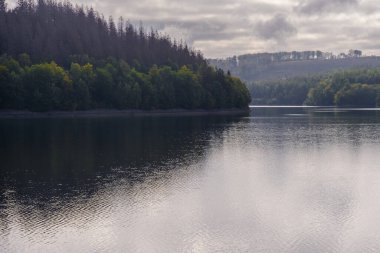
{"type": "Point", "coordinates": [356, 87]}
{"type": "Point", "coordinates": [58, 31]}
{"type": "Point", "coordinates": [113, 84]}
{"type": "Point", "coordinates": [55, 56]}
{"type": "Point", "coordinates": [292, 91]}
{"type": "Point", "coordinates": [359, 88]}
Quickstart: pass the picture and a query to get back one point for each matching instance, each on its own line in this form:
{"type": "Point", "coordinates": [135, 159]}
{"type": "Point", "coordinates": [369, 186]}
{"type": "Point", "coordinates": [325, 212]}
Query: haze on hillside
{"type": "Point", "coordinates": [224, 28]}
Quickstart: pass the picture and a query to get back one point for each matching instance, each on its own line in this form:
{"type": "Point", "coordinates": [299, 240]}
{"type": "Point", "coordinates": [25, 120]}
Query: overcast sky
{"type": "Point", "coordinates": [221, 28]}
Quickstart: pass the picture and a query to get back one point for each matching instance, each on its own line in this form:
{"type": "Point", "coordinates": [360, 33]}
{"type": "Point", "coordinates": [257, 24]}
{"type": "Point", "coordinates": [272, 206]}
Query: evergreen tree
{"type": "Point", "coordinates": [98, 64]}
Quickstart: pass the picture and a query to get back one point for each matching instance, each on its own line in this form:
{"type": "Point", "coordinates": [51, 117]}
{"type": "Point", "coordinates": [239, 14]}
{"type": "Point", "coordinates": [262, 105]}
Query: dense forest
{"type": "Point", "coordinates": [357, 87]}
{"type": "Point", "coordinates": [283, 92]}
{"type": "Point", "coordinates": [348, 88]}
{"type": "Point", "coordinates": [56, 56]}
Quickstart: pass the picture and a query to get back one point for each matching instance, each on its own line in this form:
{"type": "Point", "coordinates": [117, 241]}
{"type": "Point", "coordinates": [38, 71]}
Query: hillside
{"type": "Point", "coordinates": [59, 31]}
{"type": "Point", "coordinates": [285, 70]}
{"type": "Point", "coordinates": [55, 56]}
{"type": "Point", "coordinates": [309, 77]}
{"type": "Point", "coordinates": [250, 71]}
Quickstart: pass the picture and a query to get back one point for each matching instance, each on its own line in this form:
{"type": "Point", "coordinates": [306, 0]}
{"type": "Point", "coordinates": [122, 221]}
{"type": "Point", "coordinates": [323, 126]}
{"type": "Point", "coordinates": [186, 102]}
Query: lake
{"type": "Point", "coordinates": [281, 179]}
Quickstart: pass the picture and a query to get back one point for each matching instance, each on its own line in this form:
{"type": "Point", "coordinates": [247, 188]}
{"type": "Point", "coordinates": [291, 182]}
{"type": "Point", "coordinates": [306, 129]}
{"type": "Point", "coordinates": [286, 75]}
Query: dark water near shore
{"type": "Point", "coordinates": [279, 180]}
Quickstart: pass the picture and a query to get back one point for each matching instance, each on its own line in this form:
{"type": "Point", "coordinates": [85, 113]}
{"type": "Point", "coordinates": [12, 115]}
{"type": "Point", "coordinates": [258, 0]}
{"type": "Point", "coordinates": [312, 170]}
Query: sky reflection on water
{"type": "Point", "coordinates": [269, 182]}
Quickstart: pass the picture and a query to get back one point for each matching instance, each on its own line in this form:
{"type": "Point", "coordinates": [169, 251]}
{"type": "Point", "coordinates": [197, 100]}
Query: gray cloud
{"type": "Point", "coordinates": [325, 6]}
{"type": "Point", "coordinates": [277, 28]}
{"type": "Point", "coordinates": [222, 28]}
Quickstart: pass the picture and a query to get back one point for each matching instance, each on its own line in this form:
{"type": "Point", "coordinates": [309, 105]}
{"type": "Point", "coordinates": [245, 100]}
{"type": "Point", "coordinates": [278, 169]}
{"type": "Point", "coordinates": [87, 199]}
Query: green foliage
{"type": "Point", "coordinates": [283, 92]}
{"type": "Point", "coordinates": [24, 60]}
{"type": "Point", "coordinates": [48, 87]}
{"type": "Point", "coordinates": [90, 69]}
{"type": "Point", "coordinates": [239, 93]}
{"type": "Point", "coordinates": [322, 94]}
{"type": "Point", "coordinates": [83, 77]}
{"type": "Point", "coordinates": [188, 90]}
{"type": "Point", "coordinates": [347, 88]}
{"type": "Point", "coordinates": [113, 84]}
{"type": "Point", "coordinates": [357, 87]}
{"type": "Point", "coordinates": [102, 87]}
{"type": "Point", "coordinates": [164, 79]}
{"type": "Point", "coordinates": [362, 95]}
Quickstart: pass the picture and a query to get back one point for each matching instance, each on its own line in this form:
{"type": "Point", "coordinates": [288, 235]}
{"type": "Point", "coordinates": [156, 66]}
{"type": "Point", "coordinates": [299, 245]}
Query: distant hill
{"type": "Point", "coordinates": [269, 67]}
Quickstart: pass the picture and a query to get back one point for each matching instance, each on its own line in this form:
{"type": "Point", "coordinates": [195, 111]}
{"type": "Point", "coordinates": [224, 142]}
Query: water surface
{"type": "Point", "coordinates": [279, 180]}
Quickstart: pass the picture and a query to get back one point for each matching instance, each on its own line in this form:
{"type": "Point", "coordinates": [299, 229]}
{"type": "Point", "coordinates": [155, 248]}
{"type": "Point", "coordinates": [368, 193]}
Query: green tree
{"type": "Point", "coordinates": [240, 96]}
{"type": "Point", "coordinates": [48, 88]}
{"type": "Point", "coordinates": [361, 95]}
{"type": "Point", "coordinates": [187, 89]}
{"type": "Point", "coordinates": [24, 60]}
{"type": "Point", "coordinates": [148, 92]}
{"type": "Point", "coordinates": [82, 77]}
{"type": "Point", "coordinates": [101, 89]}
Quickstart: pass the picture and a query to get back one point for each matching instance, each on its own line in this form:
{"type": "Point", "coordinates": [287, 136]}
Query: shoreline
{"type": "Point", "coordinates": [14, 114]}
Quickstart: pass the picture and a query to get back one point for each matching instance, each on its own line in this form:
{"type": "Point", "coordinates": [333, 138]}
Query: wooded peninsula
{"type": "Point", "coordinates": [56, 56]}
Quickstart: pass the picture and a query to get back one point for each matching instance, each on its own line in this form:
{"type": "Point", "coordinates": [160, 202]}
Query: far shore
{"type": "Point", "coordinates": [126, 113]}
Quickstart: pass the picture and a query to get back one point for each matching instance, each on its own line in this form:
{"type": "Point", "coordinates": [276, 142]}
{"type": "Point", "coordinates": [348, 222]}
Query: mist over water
{"type": "Point", "coordinates": [278, 180]}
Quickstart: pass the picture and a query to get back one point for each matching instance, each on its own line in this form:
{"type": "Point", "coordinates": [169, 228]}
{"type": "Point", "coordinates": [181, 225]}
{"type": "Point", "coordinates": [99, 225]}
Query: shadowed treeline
{"type": "Point", "coordinates": [59, 31]}
{"type": "Point", "coordinates": [59, 57]}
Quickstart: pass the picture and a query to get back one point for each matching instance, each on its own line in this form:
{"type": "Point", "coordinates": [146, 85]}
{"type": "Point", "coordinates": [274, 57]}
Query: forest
{"type": "Point", "coordinates": [359, 88]}
{"type": "Point", "coordinates": [356, 87]}
{"type": "Point", "coordinates": [56, 56]}
{"type": "Point", "coordinates": [282, 92]}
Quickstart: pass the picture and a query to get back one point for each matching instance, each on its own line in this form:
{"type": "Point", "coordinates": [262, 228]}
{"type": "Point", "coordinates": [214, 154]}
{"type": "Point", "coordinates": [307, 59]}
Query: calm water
{"type": "Point", "coordinates": [279, 180]}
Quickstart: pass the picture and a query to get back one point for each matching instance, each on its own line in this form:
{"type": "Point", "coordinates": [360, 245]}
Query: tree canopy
{"type": "Point", "coordinates": [59, 57]}
{"type": "Point", "coordinates": [360, 87]}
{"type": "Point", "coordinates": [356, 87]}
{"type": "Point", "coordinates": [115, 85]}
{"type": "Point", "coordinates": [60, 32]}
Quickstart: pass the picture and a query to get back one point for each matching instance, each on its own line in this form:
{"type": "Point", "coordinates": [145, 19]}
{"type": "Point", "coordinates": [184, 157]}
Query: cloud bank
{"type": "Point", "coordinates": [321, 7]}
{"type": "Point", "coordinates": [221, 28]}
